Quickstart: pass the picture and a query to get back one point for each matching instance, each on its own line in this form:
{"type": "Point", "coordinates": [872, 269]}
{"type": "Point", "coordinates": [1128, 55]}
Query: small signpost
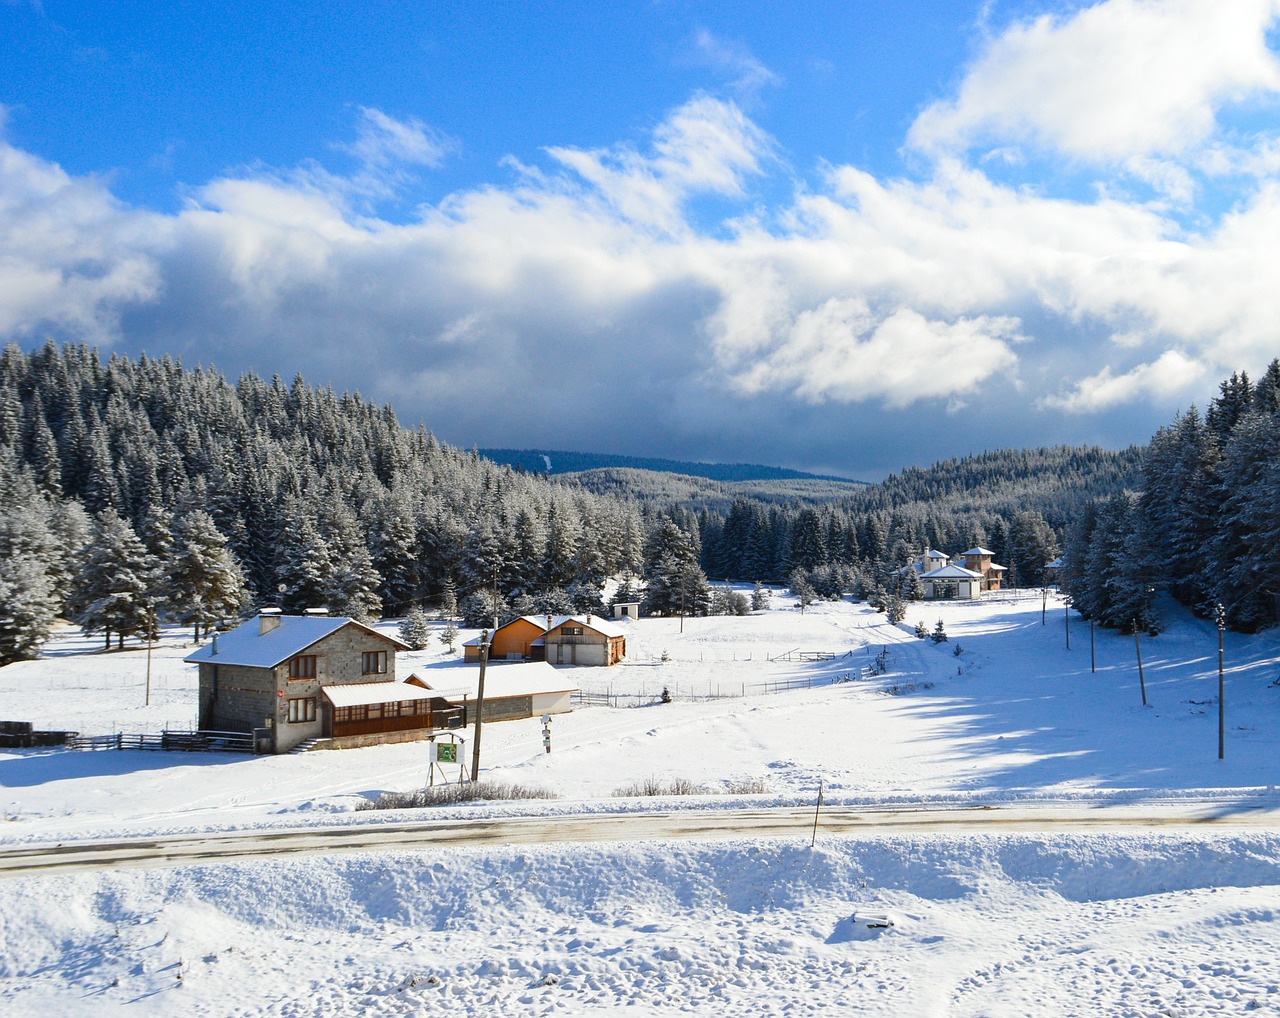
{"type": "Point", "coordinates": [450, 750]}
{"type": "Point", "coordinates": [546, 732]}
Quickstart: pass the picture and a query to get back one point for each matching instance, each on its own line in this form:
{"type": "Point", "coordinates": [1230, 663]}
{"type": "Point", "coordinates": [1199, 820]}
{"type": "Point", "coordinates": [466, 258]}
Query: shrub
{"type": "Point", "coordinates": [452, 795]}
{"type": "Point", "coordinates": [656, 786]}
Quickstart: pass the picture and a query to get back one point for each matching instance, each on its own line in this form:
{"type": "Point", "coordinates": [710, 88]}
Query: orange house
{"type": "Point", "coordinates": [512, 642]}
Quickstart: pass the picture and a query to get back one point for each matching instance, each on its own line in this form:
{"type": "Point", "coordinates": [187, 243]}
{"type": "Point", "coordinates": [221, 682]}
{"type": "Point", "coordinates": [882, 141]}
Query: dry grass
{"type": "Point", "coordinates": [452, 795]}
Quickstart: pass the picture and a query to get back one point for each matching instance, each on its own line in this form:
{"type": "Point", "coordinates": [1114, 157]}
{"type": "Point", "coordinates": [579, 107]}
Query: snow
{"type": "Point", "coordinates": [1162, 920]}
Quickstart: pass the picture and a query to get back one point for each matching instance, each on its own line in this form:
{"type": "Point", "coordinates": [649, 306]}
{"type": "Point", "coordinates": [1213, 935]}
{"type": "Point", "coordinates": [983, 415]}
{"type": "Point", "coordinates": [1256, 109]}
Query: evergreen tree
{"type": "Point", "coordinates": [1032, 545]}
{"type": "Point", "coordinates": [449, 600]}
{"type": "Point", "coordinates": [203, 584]}
{"type": "Point", "coordinates": [759, 598]}
{"type": "Point", "coordinates": [676, 584]}
{"type": "Point", "coordinates": [415, 630]}
{"type": "Point", "coordinates": [303, 567]}
{"type": "Point", "coordinates": [27, 609]}
{"type": "Point", "coordinates": [114, 584]}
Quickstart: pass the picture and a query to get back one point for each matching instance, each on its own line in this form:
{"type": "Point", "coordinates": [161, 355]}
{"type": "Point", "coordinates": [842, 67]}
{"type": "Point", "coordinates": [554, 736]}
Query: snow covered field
{"type": "Point", "coordinates": [1160, 921]}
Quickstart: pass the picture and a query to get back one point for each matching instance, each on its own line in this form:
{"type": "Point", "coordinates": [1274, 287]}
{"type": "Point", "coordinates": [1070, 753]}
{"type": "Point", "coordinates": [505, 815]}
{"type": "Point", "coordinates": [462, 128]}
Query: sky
{"type": "Point", "coordinates": [846, 237]}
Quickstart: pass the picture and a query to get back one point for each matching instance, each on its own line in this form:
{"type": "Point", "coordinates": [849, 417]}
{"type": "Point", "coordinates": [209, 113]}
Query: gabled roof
{"type": "Point", "coordinates": [953, 573]}
{"type": "Point", "coordinates": [593, 622]}
{"type": "Point", "coordinates": [246, 645]}
{"type": "Point", "coordinates": [597, 624]}
{"type": "Point", "coordinates": [500, 680]}
{"type": "Point", "coordinates": [978, 551]}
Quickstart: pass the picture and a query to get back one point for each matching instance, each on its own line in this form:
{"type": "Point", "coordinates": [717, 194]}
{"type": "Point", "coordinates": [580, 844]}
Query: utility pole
{"type": "Point", "coordinates": [1138, 650]}
{"type": "Point", "coordinates": [1220, 617]}
{"type": "Point", "coordinates": [1093, 660]}
{"type": "Point", "coordinates": [475, 750]}
{"type": "Point", "coordinates": [151, 632]}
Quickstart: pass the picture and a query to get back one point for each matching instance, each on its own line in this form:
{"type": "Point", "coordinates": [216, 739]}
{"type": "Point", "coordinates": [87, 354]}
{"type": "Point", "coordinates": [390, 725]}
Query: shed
{"type": "Point", "coordinates": [511, 691]}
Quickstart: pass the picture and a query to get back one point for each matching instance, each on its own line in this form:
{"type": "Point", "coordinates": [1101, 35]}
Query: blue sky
{"type": "Point", "coordinates": [839, 236]}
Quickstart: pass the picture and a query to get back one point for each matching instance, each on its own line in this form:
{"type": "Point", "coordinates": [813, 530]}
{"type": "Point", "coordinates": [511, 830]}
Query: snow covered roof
{"type": "Point", "coordinates": [978, 551]}
{"type": "Point", "coordinates": [1057, 563]}
{"type": "Point", "coordinates": [599, 625]}
{"type": "Point", "coordinates": [592, 622]}
{"type": "Point", "coordinates": [500, 680]}
{"type": "Point", "coordinates": [248, 645]}
{"type": "Point", "coordinates": [953, 573]}
{"type": "Point", "coordinates": [932, 553]}
{"type": "Point", "coordinates": [356, 694]}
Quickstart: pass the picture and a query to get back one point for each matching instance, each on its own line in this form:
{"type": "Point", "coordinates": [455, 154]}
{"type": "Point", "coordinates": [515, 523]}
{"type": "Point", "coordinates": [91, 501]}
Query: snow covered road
{"type": "Point", "coordinates": [776, 822]}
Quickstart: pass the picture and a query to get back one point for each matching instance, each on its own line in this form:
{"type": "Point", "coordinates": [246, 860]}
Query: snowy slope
{"type": "Point", "coordinates": [1140, 923]}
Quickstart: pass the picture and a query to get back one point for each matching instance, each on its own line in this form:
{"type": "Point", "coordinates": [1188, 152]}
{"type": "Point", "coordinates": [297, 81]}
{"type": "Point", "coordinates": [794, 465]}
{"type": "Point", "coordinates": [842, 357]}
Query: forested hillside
{"type": "Point", "coordinates": [1205, 526]}
{"type": "Point", "coordinates": [136, 491]}
{"type": "Point", "coordinates": [128, 485]}
{"type": "Point", "coordinates": [559, 461]}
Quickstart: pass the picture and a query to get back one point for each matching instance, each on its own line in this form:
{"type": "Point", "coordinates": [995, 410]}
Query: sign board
{"type": "Point", "coordinates": [446, 752]}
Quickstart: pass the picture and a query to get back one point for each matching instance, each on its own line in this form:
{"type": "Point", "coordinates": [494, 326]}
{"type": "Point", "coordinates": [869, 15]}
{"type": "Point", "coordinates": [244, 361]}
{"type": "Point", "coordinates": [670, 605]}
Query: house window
{"type": "Point", "coordinates": [373, 662]}
{"type": "Point", "coordinates": [302, 667]}
{"type": "Point", "coordinates": [302, 709]}
{"type": "Point", "coordinates": [572, 630]}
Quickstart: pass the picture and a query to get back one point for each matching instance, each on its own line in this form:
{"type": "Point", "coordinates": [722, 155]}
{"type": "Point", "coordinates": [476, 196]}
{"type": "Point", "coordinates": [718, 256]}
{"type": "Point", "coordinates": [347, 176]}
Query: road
{"type": "Point", "coordinates": [677, 824]}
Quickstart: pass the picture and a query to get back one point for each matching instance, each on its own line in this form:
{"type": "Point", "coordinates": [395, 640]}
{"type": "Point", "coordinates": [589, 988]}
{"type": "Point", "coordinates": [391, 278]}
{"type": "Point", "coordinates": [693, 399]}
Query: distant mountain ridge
{"type": "Point", "coordinates": [559, 461]}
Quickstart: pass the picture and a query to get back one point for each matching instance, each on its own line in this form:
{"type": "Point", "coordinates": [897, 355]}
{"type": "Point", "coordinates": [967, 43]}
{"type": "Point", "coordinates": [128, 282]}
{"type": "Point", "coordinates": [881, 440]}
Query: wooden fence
{"type": "Point", "coordinates": [191, 742]}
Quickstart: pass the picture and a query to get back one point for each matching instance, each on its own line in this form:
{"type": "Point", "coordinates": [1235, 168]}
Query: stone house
{"type": "Point", "coordinates": [269, 676]}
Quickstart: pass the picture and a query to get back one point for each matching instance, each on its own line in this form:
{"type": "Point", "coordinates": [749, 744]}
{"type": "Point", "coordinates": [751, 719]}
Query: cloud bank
{"type": "Point", "coordinates": [641, 298]}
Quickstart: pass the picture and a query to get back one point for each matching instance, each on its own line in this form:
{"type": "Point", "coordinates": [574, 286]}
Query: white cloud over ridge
{"type": "Point", "coordinates": [585, 292]}
{"type": "Point", "coordinates": [1115, 80]}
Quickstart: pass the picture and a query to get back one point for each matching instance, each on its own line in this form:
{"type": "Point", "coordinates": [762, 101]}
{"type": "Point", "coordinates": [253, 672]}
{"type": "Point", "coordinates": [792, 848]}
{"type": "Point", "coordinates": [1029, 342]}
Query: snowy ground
{"type": "Point", "coordinates": [1148, 922]}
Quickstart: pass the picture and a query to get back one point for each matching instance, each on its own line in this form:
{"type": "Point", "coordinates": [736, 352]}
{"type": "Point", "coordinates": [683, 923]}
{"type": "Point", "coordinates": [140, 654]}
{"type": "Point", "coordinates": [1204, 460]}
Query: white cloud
{"type": "Point", "coordinates": [1169, 375]}
{"type": "Point", "coordinates": [1116, 80]}
{"type": "Point", "coordinates": [382, 141]}
{"type": "Point", "coordinates": [592, 277]}
{"type": "Point", "coordinates": [841, 351]}
{"type": "Point", "coordinates": [705, 146]}
{"type": "Point", "coordinates": [70, 257]}
{"type": "Point", "coordinates": [734, 59]}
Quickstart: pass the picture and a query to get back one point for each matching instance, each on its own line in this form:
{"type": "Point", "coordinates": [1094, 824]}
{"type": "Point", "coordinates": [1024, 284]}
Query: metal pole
{"type": "Point", "coordinates": [1138, 649]}
{"type": "Point", "coordinates": [1220, 616]}
{"type": "Point", "coordinates": [475, 750]}
{"type": "Point", "coordinates": [1066, 613]}
{"type": "Point", "coordinates": [1093, 660]}
{"type": "Point", "coordinates": [816, 810]}
{"type": "Point", "coordinates": [151, 628]}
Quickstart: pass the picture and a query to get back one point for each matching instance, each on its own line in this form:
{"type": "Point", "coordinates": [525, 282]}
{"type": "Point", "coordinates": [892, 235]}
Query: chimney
{"type": "Point", "coordinates": [268, 619]}
{"type": "Point", "coordinates": [588, 618]}
{"type": "Point", "coordinates": [548, 622]}
{"type": "Point", "coordinates": [315, 612]}
{"type": "Point", "coordinates": [213, 649]}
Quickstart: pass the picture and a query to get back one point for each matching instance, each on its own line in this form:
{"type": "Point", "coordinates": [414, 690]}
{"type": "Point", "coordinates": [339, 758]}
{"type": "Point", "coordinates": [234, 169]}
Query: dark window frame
{"type": "Point", "coordinates": [302, 667]}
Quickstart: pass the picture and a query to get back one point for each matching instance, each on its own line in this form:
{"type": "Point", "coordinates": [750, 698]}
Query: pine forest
{"type": "Point", "coordinates": [136, 492]}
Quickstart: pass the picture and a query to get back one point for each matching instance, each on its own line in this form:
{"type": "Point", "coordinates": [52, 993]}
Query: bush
{"type": "Point", "coordinates": [747, 786]}
{"type": "Point", "coordinates": [922, 631]}
{"type": "Point", "coordinates": [656, 786]}
{"type": "Point", "coordinates": [452, 795]}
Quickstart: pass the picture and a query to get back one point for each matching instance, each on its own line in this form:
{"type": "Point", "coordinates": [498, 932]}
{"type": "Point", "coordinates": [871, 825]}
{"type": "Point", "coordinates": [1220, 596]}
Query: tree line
{"type": "Point", "coordinates": [1203, 524]}
{"type": "Point", "coordinates": [138, 491]}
